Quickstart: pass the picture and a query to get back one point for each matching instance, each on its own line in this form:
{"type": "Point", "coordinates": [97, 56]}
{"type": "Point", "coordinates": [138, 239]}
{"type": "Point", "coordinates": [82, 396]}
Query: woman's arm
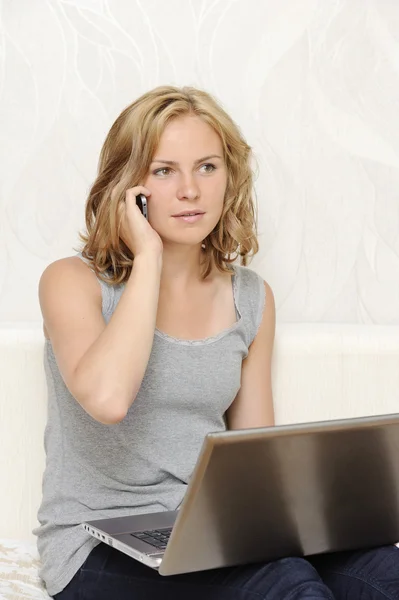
{"type": "Point", "coordinates": [253, 405]}
{"type": "Point", "coordinates": [102, 365]}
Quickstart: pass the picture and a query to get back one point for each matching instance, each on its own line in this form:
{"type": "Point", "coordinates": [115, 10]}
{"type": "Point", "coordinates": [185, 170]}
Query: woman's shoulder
{"type": "Point", "coordinates": [247, 278]}
{"type": "Point", "coordinates": [252, 294]}
{"type": "Point", "coordinates": [67, 287]}
{"type": "Point", "coordinates": [68, 275]}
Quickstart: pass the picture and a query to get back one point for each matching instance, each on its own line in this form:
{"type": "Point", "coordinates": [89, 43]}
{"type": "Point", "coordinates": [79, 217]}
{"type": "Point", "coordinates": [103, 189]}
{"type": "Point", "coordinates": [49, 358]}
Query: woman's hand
{"type": "Point", "coordinates": [135, 230]}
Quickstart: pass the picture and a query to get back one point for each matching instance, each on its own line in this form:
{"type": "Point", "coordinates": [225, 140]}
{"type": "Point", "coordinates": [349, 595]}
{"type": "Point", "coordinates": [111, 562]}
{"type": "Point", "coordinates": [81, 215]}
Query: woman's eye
{"type": "Point", "coordinates": [163, 171]}
{"type": "Point", "coordinates": [208, 168]}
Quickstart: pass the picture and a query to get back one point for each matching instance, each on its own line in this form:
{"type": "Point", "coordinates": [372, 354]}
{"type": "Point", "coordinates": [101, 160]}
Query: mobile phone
{"type": "Point", "coordinates": [141, 202]}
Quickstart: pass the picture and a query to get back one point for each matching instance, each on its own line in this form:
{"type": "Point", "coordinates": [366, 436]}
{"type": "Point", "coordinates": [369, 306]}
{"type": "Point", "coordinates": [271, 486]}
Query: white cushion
{"type": "Point", "coordinates": [19, 571]}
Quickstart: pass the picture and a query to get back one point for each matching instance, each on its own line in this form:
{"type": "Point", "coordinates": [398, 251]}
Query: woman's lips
{"type": "Point", "coordinates": [190, 218]}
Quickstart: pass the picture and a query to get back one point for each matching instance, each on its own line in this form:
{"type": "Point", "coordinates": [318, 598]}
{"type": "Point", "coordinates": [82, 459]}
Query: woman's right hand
{"type": "Point", "coordinates": [135, 230]}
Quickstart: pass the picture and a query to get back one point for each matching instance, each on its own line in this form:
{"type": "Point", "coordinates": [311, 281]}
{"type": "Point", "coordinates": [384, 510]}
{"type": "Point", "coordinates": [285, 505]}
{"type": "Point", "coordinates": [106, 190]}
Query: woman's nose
{"type": "Point", "coordinates": [188, 188]}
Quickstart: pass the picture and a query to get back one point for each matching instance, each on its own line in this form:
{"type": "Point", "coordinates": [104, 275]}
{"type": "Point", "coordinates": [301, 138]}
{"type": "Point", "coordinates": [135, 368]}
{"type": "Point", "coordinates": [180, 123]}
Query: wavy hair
{"type": "Point", "coordinates": [125, 160]}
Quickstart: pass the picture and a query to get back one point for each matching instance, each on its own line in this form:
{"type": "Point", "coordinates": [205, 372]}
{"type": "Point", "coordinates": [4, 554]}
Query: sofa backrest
{"type": "Point", "coordinates": [320, 372]}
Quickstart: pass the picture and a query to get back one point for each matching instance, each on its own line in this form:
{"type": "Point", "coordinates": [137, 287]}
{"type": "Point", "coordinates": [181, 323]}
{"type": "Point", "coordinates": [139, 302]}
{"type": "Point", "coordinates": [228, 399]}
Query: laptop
{"type": "Point", "coordinates": [262, 494]}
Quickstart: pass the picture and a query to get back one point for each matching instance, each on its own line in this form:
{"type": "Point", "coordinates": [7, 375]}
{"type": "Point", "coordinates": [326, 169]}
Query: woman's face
{"type": "Point", "coordinates": [188, 174]}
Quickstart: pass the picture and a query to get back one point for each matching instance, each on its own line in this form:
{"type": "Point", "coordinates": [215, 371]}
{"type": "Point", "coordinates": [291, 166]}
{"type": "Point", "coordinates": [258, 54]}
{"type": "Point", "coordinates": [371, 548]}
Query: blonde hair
{"type": "Point", "coordinates": [125, 160]}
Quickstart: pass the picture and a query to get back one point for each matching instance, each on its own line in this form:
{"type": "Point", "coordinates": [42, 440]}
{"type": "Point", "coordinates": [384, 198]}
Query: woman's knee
{"type": "Point", "coordinates": [369, 574]}
{"type": "Point", "coordinates": [290, 578]}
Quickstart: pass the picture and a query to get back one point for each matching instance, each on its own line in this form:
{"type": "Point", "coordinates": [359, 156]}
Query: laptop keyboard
{"type": "Point", "coordinates": [156, 537]}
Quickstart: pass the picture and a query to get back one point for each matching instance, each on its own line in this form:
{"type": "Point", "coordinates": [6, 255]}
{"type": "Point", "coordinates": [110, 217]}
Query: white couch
{"type": "Point", "coordinates": [320, 371]}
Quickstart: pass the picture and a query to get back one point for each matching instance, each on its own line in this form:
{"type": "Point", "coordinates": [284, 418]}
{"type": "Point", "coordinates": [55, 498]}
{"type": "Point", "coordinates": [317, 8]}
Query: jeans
{"type": "Point", "coordinates": [373, 574]}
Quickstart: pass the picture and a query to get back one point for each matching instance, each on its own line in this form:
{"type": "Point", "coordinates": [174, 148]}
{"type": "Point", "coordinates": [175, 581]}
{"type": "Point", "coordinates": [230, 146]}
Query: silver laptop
{"type": "Point", "coordinates": [261, 494]}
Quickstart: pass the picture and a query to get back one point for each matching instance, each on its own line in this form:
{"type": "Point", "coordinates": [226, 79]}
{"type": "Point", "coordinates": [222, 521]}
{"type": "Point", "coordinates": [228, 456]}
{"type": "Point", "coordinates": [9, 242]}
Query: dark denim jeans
{"type": "Point", "coordinates": [108, 574]}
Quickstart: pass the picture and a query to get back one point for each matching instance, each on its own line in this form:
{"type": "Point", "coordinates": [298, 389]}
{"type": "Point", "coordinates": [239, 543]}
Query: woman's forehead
{"type": "Point", "coordinates": [189, 131]}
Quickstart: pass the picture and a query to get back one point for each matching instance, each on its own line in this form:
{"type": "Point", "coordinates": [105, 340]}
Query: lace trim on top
{"type": "Point", "coordinates": [213, 338]}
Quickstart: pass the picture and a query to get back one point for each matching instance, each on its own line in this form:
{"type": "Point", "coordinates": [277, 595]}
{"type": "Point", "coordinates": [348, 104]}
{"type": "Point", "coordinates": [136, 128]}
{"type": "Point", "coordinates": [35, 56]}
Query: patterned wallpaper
{"type": "Point", "coordinates": [313, 84]}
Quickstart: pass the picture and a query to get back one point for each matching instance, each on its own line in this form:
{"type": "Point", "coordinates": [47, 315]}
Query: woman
{"type": "Point", "coordinates": [153, 340]}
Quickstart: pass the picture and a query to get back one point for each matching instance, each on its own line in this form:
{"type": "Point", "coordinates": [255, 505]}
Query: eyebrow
{"type": "Point", "coordinates": [174, 163]}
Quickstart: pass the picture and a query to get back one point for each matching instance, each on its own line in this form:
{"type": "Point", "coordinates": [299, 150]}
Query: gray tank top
{"type": "Point", "coordinates": [144, 463]}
